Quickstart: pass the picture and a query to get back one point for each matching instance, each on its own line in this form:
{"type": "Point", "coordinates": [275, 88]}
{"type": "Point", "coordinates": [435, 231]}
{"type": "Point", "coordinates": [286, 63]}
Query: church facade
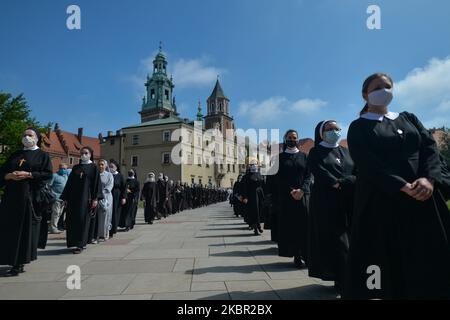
{"type": "Point", "coordinates": [180, 148]}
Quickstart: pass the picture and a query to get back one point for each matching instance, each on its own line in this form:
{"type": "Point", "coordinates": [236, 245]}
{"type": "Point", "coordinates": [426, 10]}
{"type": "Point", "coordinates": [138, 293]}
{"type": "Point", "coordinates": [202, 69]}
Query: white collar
{"type": "Point", "coordinates": [380, 117]}
{"type": "Point", "coordinates": [292, 151]}
{"type": "Point", "coordinates": [115, 172]}
{"type": "Point", "coordinates": [329, 145]}
{"type": "Point", "coordinates": [31, 148]}
{"type": "Point", "coordinates": [86, 162]}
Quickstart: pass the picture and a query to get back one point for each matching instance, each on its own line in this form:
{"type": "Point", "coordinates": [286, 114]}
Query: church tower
{"type": "Point", "coordinates": [218, 115]}
{"type": "Point", "coordinates": [159, 102]}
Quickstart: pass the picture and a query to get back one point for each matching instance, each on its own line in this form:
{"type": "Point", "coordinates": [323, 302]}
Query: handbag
{"type": "Point", "coordinates": [45, 197]}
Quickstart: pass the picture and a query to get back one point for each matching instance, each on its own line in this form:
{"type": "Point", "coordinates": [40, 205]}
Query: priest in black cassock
{"type": "Point", "coordinates": [81, 195]}
{"type": "Point", "coordinates": [23, 175]}
{"type": "Point", "coordinates": [252, 195]}
{"type": "Point", "coordinates": [150, 196]}
{"type": "Point", "coordinates": [119, 196]}
{"type": "Point", "coordinates": [292, 185]}
{"type": "Point", "coordinates": [331, 204]}
{"type": "Point", "coordinates": [399, 246]}
{"type": "Point", "coordinates": [132, 188]}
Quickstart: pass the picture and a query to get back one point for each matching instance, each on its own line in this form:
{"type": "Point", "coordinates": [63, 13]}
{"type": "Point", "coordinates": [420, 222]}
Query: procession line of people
{"type": "Point", "coordinates": [378, 205]}
{"type": "Point", "coordinates": [91, 202]}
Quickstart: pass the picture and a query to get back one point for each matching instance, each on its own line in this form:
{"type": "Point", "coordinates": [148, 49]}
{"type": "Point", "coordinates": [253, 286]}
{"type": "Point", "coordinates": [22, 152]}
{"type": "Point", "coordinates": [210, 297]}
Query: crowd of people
{"type": "Point", "coordinates": [372, 218]}
{"type": "Point", "coordinates": [90, 202]}
{"type": "Point", "coordinates": [378, 206]}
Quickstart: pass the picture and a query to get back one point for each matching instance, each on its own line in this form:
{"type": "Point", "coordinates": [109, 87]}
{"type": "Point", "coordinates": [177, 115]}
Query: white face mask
{"type": "Point", "coordinates": [380, 98]}
{"type": "Point", "coordinates": [28, 142]}
{"type": "Point", "coordinates": [85, 157]}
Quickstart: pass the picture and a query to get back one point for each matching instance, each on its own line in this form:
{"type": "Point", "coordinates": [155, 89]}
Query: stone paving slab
{"type": "Point", "coordinates": [159, 283]}
{"type": "Point", "coordinates": [199, 254]}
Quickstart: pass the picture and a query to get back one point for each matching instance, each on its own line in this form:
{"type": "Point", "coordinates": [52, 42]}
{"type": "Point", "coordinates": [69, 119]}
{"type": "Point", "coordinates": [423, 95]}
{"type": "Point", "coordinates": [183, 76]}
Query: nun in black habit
{"type": "Point", "coordinates": [235, 197]}
{"type": "Point", "coordinates": [132, 188]}
{"type": "Point", "coordinates": [23, 175]}
{"type": "Point", "coordinates": [291, 198]}
{"type": "Point", "coordinates": [252, 194]}
{"type": "Point", "coordinates": [81, 195]}
{"type": "Point", "coordinates": [331, 204]}
{"type": "Point", "coordinates": [119, 196]}
{"type": "Point", "coordinates": [150, 196]}
{"type": "Point", "coordinates": [401, 224]}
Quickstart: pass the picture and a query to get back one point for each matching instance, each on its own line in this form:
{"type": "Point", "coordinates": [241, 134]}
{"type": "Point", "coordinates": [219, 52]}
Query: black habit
{"type": "Point", "coordinates": [292, 214]}
{"type": "Point", "coordinates": [119, 192]}
{"type": "Point", "coordinates": [150, 196]}
{"type": "Point", "coordinates": [128, 210]}
{"type": "Point", "coordinates": [20, 213]}
{"type": "Point", "coordinates": [251, 188]}
{"type": "Point", "coordinates": [330, 210]}
{"type": "Point", "coordinates": [407, 239]}
{"type": "Point", "coordinates": [83, 186]}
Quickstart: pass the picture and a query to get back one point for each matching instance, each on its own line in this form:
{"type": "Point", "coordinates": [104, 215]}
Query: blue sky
{"type": "Point", "coordinates": [284, 64]}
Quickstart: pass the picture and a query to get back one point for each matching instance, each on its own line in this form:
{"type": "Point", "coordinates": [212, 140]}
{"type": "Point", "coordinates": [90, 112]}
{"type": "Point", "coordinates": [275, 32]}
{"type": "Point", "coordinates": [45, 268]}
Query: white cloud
{"type": "Point", "coordinates": [426, 91]}
{"type": "Point", "coordinates": [278, 108]}
{"type": "Point", "coordinates": [308, 106]}
{"type": "Point", "coordinates": [195, 72]}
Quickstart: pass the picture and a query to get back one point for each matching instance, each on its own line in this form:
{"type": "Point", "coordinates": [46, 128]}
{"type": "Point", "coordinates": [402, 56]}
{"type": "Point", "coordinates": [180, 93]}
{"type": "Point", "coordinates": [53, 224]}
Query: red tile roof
{"type": "Point", "coordinates": [55, 141]}
{"type": "Point", "coordinates": [305, 145]}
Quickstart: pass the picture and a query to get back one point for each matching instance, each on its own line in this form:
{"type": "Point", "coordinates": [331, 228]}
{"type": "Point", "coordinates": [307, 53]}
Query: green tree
{"type": "Point", "coordinates": [445, 148]}
{"type": "Point", "coordinates": [14, 119]}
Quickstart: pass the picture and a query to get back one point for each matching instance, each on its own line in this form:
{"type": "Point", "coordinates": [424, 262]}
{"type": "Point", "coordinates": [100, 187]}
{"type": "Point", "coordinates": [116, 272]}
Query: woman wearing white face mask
{"type": "Point", "coordinates": [401, 224]}
{"type": "Point", "coordinates": [22, 175]}
{"type": "Point", "coordinates": [331, 204]}
{"type": "Point", "coordinates": [81, 195]}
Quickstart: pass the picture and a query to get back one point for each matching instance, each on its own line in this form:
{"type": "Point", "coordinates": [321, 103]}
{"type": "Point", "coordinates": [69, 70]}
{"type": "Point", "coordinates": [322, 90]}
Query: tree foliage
{"type": "Point", "coordinates": [15, 118]}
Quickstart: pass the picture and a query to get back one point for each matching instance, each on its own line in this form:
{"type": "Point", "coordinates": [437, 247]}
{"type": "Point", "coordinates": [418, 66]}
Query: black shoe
{"type": "Point", "coordinates": [256, 232]}
{"type": "Point", "coordinates": [77, 250]}
{"type": "Point", "coordinates": [299, 262]}
{"type": "Point", "coordinates": [260, 229]}
{"type": "Point", "coordinates": [15, 271]}
{"type": "Point", "coordinates": [127, 229]}
{"type": "Point", "coordinates": [150, 222]}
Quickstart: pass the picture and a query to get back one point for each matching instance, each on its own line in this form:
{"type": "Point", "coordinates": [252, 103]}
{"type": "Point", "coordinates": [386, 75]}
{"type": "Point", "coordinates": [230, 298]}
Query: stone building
{"type": "Point", "coordinates": [162, 136]}
{"type": "Point", "coordinates": [64, 146]}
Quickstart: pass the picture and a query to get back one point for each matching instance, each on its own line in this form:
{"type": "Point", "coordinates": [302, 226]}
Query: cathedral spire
{"type": "Point", "coordinates": [199, 113]}
{"type": "Point", "coordinates": [159, 101]}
